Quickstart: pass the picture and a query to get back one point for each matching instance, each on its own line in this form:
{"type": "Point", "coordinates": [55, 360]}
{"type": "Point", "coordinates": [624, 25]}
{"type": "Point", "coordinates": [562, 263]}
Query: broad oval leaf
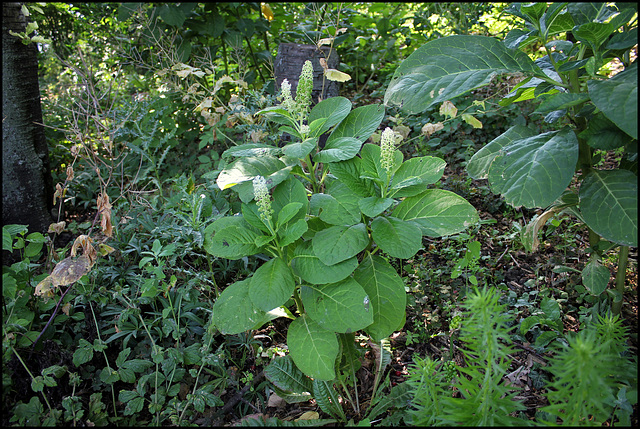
{"type": "Point", "coordinates": [437, 212]}
{"type": "Point", "coordinates": [535, 171]}
{"type": "Point", "coordinates": [251, 149]}
{"type": "Point", "coordinates": [338, 307]}
{"type": "Point", "coordinates": [595, 277]}
{"type": "Point", "coordinates": [300, 150]}
{"type": "Point", "coordinates": [397, 238]}
{"type": "Point", "coordinates": [271, 285]}
{"type": "Point", "coordinates": [338, 149]}
{"type": "Point", "coordinates": [618, 99]}
{"type": "Point", "coordinates": [286, 376]}
{"type": "Point", "coordinates": [414, 173]}
{"type": "Point", "coordinates": [339, 243]}
{"type": "Point", "coordinates": [332, 211]}
{"type": "Point", "coordinates": [349, 172]}
{"type": "Point", "coordinates": [247, 168]}
{"type": "Point", "coordinates": [232, 242]}
{"type": "Point", "coordinates": [290, 191]}
{"type": "Point", "coordinates": [360, 123]}
{"type": "Point", "coordinates": [387, 297]}
{"type": "Point", "coordinates": [609, 205]}
{"type": "Point", "coordinates": [333, 110]}
{"type": "Point", "coordinates": [311, 269]}
{"type": "Point", "coordinates": [445, 68]}
{"type": "Point", "coordinates": [480, 162]}
{"type": "Point", "coordinates": [373, 206]}
{"type": "Point", "coordinates": [313, 349]}
{"type": "Point", "coordinates": [233, 311]}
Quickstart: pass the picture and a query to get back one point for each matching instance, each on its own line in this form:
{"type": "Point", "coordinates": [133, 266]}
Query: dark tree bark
{"type": "Point", "coordinates": [27, 188]}
{"type": "Point", "coordinates": [288, 65]}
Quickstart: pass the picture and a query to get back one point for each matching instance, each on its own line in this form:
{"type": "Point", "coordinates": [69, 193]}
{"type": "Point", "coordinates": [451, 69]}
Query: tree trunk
{"type": "Point", "coordinates": [288, 65]}
{"type": "Point", "coordinates": [27, 188]}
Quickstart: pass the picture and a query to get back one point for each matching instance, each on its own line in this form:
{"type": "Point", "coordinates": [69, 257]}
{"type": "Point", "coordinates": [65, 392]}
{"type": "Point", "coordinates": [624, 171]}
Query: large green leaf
{"type": "Point", "coordinates": [595, 277]}
{"type": "Point", "coordinates": [286, 376]}
{"type": "Point", "coordinates": [609, 205]}
{"type": "Point", "coordinates": [618, 99]}
{"type": "Point", "coordinates": [332, 111]}
{"type": "Point", "coordinates": [387, 297]}
{"type": "Point", "coordinates": [373, 206]}
{"type": "Point", "coordinates": [332, 211]}
{"type": "Point", "coordinates": [271, 285]}
{"type": "Point", "coordinates": [603, 134]}
{"type": "Point", "coordinates": [480, 162]}
{"type": "Point", "coordinates": [338, 149]}
{"type": "Point", "coordinates": [535, 171]}
{"type": "Point", "coordinates": [398, 238]}
{"type": "Point", "coordinates": [300, 149]}
{"type": "Point", "coordinates": [349, 172]}
{"type": "Point", "coordinates": [338, 307]}
{"type": "Point", "coordinates": [437, 212]}
{"type": "Point", "coordinates": [412, 176]}
{"type": "Point", "coordinates": [360, 123]}
{"type": "Point", "coordinates": [290, 191]}
{"type": "Point", "coordinates": [338, 243]}
{"type": "Point", "coordinates": [313, 349]}
{"type": "Point", "coordinates": [231, 238]}
{"type": "Point", "coordinates": [445, 68]}
{"type": "Point", "coordinates": [233, 311]}
{"type": "Point", "coordinates": [247, 168]}
{"type": "Point", "coordinates": [251, 149]}
{"type": "Point", "coordinates": [311, 269]}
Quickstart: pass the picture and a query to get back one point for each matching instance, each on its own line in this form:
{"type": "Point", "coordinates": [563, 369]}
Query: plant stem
{"type": "Point", "coordinates": [32, 377]}
{"type": "Point", "coordinates": [623, 258]}
{"type": "Point", "coordinates": [113, 392]}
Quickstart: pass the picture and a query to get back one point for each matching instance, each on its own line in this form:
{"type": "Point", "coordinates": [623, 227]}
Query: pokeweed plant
{"type": "Point", "coordinates": [535, 170]}
{"type": "Point", "coordinates": [322, 217]}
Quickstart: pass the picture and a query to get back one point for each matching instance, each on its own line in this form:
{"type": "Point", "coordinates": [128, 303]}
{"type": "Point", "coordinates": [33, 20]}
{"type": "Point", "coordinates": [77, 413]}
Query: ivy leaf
{"type": "Point", "coordinates": [313, 349]}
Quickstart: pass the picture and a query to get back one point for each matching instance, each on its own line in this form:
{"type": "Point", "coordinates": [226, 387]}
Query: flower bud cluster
{"type": "Point", "coordinates": [387, 148]}
{"type": "Point", "coordinates": [263, 200]}
{"type": "Point", "coordinates": [299, 108]}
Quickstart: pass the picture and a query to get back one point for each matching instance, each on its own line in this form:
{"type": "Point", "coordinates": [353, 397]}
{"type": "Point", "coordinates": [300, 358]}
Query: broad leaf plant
{"type": "Point", "coordinates": [326, 219]}
{"type": "Point", "coordinates": [598, 112]}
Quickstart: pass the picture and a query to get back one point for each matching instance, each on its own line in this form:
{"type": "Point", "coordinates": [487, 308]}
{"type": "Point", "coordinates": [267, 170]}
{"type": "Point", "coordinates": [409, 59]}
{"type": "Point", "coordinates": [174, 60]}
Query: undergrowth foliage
{"type": "Point", "coordinates": [202, 267]}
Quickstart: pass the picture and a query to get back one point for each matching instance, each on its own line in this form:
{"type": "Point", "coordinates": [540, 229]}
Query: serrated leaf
{"type": "Point", "coordinates": [84, 353]}
{"type": "Point", "coordinates": [437, 212]}
{"type": "Point", "coordinates": [445, 68]}
{"type": "Point", "coordinates": [338, 307]}
{"type": "Point", "coordinates": [309, 267]}
{"type": "Point", "coordinates": [271, 285]}
{"type": "Point", "coordinates": [387, 297]}
{"type": "Point", "coordinates": [233, 311]}
{"type": "Point", "coordinates": [313, 349]}
{"type": "Point", "coordinates": [535, 171]}
{"type": "Point", "coordinates": [397, 238]}
{"type": "Point", "coordinates": [609, 205]}
{"type": "Point", "coordinates": [339, 243]}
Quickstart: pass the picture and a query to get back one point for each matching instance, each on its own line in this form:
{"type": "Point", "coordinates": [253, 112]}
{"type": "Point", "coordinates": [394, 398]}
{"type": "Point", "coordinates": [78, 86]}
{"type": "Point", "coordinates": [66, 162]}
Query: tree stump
{"type": "Point", "coordinates": [288, 65]}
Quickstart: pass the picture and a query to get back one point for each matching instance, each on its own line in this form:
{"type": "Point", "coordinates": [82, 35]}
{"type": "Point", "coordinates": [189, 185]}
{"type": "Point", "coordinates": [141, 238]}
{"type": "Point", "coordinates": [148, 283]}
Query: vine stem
{"type": "Point", "coordinates": [32, 377]}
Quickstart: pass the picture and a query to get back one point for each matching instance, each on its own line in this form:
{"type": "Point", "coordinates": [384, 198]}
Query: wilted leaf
{"type": "Point", "coordinates": [448, 109]}
{"type": "Point", "coordinates": [104, 208]}
{"type": "Point", "coordinates": [57, 227]}
{"type": "Point", "coordinates": [428, 129]}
